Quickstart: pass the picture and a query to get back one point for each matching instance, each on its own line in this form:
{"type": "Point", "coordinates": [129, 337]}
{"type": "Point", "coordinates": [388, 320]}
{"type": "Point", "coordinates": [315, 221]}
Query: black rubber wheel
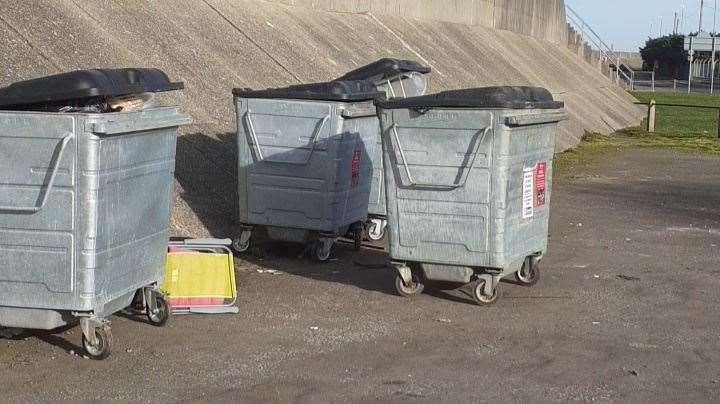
{"type": "Point", "coordinates": [162, 315]}
{"type": "Point", "coordinates": [529, 274]}
{"type": "Point", "coordinates": [370, 235]}
{"type": "Point", "coordinates": [412, 290]}
{"type": "Point", "coordinates": [239, 246]}
{"type": "Point", "coordinates": [480, 297]}
{"type": "Point", "coordinates": [322, 251]}
{"type": "Point", "coordinates": [103, 348]}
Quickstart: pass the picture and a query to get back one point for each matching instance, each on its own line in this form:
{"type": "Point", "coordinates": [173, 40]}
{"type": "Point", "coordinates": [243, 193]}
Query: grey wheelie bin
{"type": "Point", "coordinates": [469, 178]}
{"type": "Point", "coordinates": [398, 79]}
{"type": "Point", "coordinates": [303, 162]}
{"type": "Point", "coordinates": [85, 194]}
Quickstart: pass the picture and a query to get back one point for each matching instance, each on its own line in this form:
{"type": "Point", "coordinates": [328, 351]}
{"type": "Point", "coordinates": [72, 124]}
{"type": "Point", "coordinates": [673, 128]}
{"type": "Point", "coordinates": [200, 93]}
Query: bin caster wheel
{"type": "Point", "coordinates": [102, 347]}
{"type": "Point", "coordinates": [323, 249]}
{"type": "Point", "coordinates": [239, 245]}
{"type": "Point", "coordinates": [481, 298]}
{"type": "Point", "coordinates": [529, 274]}
{"type": "Point", "coordinates": [159, 315]}
{"type": "Point", "coordinates": [414, 289]}
{"type": "Point", "coordinates": [376, 229]}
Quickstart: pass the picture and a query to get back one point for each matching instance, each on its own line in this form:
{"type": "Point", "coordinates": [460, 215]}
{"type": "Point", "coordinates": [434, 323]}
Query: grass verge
{"type": "Point", "coordinates": [591, 148]}
{"type": "Point", "coordinates": [681, 129]}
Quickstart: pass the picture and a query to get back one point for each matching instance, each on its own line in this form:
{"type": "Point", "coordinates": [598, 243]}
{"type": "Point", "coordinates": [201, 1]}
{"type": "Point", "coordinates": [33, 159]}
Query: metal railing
{"type": "Point", "coordinates": [644, 81]}
{"type": "Point", "coordinates": [622, 72]}
{"type": "Point", "coordinates": [699, 86]}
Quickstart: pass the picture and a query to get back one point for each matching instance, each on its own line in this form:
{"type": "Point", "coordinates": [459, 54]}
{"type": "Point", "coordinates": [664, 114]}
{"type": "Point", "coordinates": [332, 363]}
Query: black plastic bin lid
{"type": "Point", "coordinates": [82, 84]}
{"type": "Point", "coordinates": [385, 67]}
{"type": "Point", "coordinates": [483, 98]}
{"type": "Point", "coordinates": [357, 90]}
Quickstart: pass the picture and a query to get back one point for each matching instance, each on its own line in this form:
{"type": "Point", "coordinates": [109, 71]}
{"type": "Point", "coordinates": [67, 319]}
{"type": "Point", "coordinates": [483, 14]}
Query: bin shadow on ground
{"type": "Point", "coordinates": [53, 337]}
{"type": "Point", "coordinates": [366, 269]}
{"type": "Point", "coordinates": [64, 337]}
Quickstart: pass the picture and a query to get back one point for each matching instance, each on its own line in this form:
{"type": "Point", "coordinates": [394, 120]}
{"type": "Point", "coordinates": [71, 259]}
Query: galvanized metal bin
{"type": "Point", "coordinates": [397, 79]}
{"type": "Point", "coordinates": [304, 165]}
{"type": "Point", "coordinates": [469, 179]}
{"type": "Point", "coordinates": [84, 212]}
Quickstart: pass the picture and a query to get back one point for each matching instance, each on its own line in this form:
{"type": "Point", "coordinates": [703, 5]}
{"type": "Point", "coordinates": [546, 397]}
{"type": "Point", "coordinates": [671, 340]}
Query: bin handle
{"type": "Point", "coordinates": [392, 90]}
{"type": "Point", "coordinates": [536, 119]}
{"type": "Point", "coordinates": [50, 185]}
{"type": "Point", "coordinates": [466, 172]}
{"type": "Point", "coordinates": [260, 156]}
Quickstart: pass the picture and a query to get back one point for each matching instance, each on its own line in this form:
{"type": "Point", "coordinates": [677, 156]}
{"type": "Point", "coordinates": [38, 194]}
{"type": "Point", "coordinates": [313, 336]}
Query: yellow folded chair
{"type": "Point", "coordinates": [200, 277]}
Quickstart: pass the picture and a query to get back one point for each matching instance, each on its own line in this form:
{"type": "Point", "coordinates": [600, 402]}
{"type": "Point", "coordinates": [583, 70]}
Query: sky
{"type": "Point", "coordinates": [627, 24]}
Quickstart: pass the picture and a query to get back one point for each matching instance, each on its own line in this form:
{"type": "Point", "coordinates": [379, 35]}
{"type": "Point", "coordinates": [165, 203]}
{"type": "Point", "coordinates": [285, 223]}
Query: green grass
{"type": "Point", "coordinates": [690, 130]}
{"type": "Point", "coordinates": [683, 121]}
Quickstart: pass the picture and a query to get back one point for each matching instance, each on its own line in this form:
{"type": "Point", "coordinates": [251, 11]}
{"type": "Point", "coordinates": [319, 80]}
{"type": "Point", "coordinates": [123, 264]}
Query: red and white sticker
{"type": "Point", "coordinates": [534, 193]}
{"type": "Point", "coordinates": [355, 169]}
{"type": "Point", "coordinates": [540, 175]}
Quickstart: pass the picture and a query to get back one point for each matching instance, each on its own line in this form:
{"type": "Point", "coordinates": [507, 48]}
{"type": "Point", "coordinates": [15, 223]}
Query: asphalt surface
{"type": "Point", "coordinates": [626, 311]}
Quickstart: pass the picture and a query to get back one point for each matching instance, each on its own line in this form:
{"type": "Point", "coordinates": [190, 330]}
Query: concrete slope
{"type": "Point", "coordinates": [215, 45]}
{"type": "Point", "coordinates": [544, 19]}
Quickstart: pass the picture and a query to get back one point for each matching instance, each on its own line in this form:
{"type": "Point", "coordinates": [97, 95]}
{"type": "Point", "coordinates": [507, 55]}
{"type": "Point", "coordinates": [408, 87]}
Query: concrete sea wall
{"type": "Point", "coordinates": [544, 19]}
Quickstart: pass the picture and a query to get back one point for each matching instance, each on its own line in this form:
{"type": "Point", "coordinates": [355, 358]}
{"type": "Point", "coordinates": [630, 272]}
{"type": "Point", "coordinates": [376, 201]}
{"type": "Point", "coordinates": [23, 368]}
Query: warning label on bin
{"type": "Point", "coordinates": [540, 174]}
{"type": "Point", "coordinates": [528, 205]}
{"type": "Point", "coordinates": [355, 169]}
